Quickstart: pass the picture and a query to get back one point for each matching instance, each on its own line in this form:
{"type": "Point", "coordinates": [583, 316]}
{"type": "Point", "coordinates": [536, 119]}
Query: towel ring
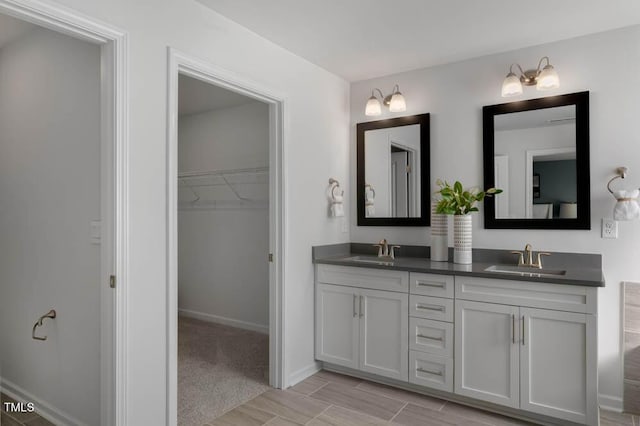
{"type": "Point", "coordinates": [335, 185]}
{"type": "Point", "coordinates": [621, 174]}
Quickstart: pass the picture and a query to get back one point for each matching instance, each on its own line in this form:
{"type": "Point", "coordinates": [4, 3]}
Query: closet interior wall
{"type": "Point", "coordinates": [223, 218]}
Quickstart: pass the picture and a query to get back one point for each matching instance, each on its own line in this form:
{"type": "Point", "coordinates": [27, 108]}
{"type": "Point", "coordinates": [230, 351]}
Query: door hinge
{"type": "Point", "coordinates": [270, 257]}
{"type": "Point", "coordinates": [408, 168]}
{"type": "Point", "coordinates": [112, 281]}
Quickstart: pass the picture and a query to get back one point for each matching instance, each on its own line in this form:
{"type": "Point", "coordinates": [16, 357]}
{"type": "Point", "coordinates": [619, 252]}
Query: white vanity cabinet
{"type": "Point", "coordinates": [360, 326]}
{"type": "Point", "coordinates": [516, 353]}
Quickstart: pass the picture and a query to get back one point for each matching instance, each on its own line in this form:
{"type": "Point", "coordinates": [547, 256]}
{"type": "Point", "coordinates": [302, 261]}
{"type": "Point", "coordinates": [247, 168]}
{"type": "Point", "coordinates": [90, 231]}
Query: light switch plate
{"type": "Point", "coordinates": [609, 228]}
{"type": "Point", "coordinates": [344, 225]}
{"type": "Point", "coordinates": [96, 231]}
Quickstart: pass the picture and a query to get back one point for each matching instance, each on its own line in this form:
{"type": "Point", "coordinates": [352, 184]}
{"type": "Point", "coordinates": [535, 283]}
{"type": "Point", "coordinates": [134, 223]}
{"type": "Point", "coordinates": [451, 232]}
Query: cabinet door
{"type": "Point", "coordinates": [384, 334]}
{"type": "Point", "coordinates": [337, 325]}
{"type": "Point", "coordinates": [558, 365]}
{"type": "Point", "coordinates": [487, 352]}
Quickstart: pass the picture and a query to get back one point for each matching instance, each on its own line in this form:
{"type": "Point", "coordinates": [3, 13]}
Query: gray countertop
{"type": "Point", "coordinates": [581, 269]}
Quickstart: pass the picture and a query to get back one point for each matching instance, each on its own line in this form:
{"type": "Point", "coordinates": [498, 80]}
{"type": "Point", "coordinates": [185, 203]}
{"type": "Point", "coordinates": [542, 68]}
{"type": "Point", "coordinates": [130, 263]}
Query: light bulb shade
{"type": "Point", "coordinates": [373, 107]}
{"type": "Point", "coordinates": [397, 103]}
{"type": "Point", "coordinates": [511, 86]}
{"type": "Point", "coordinates": [548, 79]}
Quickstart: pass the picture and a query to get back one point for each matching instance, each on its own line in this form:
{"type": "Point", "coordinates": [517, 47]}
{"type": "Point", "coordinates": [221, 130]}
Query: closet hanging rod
{"type": "Point", "coordinates": [255, 170]}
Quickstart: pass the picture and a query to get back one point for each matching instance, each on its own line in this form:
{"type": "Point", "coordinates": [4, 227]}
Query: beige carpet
{"type": "Point", "coordinates": [219, 367]}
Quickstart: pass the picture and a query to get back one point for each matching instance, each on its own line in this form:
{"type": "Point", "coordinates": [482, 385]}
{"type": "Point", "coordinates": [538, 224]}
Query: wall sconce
{"type": "Point", "coordinates": [395, 102]}
{"type": "Point", "coordinates": [627, 207]}
{"type": "Point", "coordinates": [544, 79]}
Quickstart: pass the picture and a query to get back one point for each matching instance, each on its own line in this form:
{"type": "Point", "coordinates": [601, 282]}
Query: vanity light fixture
{"type": "Point", "coordinates": [544, 79]}
{"type": "Point", "coordinates": [395, 102]}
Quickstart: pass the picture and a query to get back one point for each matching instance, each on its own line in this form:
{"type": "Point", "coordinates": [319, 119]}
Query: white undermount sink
{"type": "Point", "coordinates": [371, 259]}
{"type": "Point", "coordinates": [525, 271]}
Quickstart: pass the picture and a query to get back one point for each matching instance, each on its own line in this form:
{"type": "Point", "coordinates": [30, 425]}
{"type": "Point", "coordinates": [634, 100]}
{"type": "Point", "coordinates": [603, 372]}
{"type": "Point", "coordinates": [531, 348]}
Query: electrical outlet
{"type": "Point", "coordinates": [344, 225]}
{"type": "Point", "coordinates": [609, 228]}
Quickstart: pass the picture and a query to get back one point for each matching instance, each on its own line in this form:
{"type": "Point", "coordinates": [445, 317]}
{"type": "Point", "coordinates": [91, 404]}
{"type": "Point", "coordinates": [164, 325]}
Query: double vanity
{"type": "Point", "coordinates": [517, 340]}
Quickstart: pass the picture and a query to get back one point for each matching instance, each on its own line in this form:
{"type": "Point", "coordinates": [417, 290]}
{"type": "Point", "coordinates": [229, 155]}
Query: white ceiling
{"type": "Point", "coordinates": [361, 39]}
{"type": "Point", "coordinates": [12, 28]}
{"type": "Point", "coordinates": [196, 96]}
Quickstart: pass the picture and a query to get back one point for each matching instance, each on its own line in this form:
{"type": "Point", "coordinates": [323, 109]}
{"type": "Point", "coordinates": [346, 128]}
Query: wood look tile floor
{"type": "Point", "coordinates": [329, 399]}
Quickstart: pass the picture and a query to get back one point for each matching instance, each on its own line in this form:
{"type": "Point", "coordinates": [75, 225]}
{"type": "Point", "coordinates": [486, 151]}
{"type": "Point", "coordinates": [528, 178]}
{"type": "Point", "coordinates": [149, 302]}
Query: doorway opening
{"type": "Point", "coordinates": [223, 241]}
{"type": "Point", "coordinates": [62, 218]}
{"type": "Point", "coordinates": [224, 212]}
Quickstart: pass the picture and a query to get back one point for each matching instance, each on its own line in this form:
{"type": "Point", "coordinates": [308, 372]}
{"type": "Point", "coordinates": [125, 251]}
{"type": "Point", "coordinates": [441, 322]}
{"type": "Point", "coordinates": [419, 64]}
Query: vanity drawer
{"type": "Point", "coordinates": [431, 284]}
{"type": "Point", "coordinates": [377, 279]}
{"type": "Point", "coordinates": [434, 337]}
{"type": "Point", "coordinates": [435, 308]}
{"type": "Point", "coordinates": [533, 294]}
{"type": "Point", "coordinates": [431, 371]}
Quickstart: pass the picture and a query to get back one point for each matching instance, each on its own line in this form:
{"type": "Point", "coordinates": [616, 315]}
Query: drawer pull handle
{"type": "Point", "coordinates": [439, 339]}
{"type": "Point", "coordinates": [421, 284]}
{"type": "Point", "coordinates": [435, 373]}
{"type": "Point", "coordinates": [430, 308]}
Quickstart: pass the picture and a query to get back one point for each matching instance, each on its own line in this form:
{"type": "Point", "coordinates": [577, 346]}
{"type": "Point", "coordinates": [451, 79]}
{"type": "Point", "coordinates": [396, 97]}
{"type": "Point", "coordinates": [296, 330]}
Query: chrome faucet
{"type": "Point", "coordinates": [526, 257]}
{"type": "Point", "coordinates": [385, 250]}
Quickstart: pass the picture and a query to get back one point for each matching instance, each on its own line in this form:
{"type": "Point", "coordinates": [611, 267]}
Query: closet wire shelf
{"type": "Point", "coordinates": [231, 189]}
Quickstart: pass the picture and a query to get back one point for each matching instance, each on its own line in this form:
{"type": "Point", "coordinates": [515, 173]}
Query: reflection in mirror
{"type": "Point", "coordinates": [535, 163]}
{"type": "Point", "coordinates": [537, 151]}
{"type": "Point", "coordinates": [393, 171]}
{"type": "Point", "coordinates": [392, 164]}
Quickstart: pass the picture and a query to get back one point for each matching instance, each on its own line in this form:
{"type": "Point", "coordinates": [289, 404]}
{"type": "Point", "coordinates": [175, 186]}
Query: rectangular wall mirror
{"type": "Point", "coordinates": [393, 172]}
{"type": "Point", "coordinates": [537, 152]}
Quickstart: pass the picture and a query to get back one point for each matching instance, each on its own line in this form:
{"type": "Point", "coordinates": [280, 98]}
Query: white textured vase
{"type": "Point", "coordinates": [439, 235]}
{"type": "Point", "coordinates": [462, 239]}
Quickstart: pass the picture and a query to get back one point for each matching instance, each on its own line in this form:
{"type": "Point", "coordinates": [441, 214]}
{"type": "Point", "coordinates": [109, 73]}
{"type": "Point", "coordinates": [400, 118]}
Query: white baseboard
{"type": "Point", "coordinates": [43, 408]}
{"type": "Point", "coordinates": [610, 403]}
{"type": "Point", "coordinates": [298, 376]}
{"type": "Point", "coordinates": [245, 325]}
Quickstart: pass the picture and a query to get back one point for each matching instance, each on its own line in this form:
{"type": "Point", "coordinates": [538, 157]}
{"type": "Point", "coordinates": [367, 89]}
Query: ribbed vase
{"type": "Point", "coordinates": [439, 235]}
{"type": "Point", "coordinates": [462, 239]}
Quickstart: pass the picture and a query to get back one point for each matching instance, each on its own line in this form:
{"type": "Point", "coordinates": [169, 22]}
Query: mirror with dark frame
{"type": "Point", "coordinates": [537, 152]}
{"type": "Point", "coordinates": [393, 172]}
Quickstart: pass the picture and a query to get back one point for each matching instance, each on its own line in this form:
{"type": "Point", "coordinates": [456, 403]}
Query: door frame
{"type": "Point", "coordinates": [180, 63]}
{"type": "Point", "coordinates": [114, 152]}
